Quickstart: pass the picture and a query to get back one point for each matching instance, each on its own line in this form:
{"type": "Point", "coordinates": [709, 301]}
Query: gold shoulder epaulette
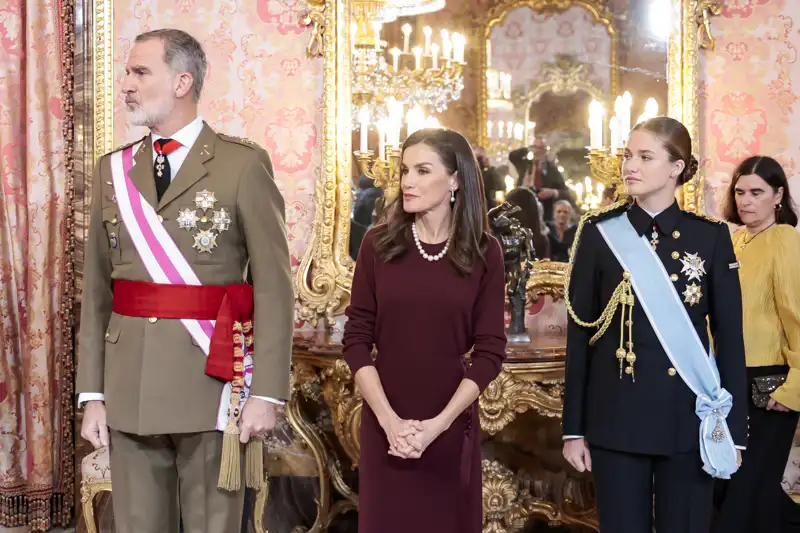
{"type": "Point", "coordinates": [240, 140]}
{"type": "Point", "coordinates": [706, 218]}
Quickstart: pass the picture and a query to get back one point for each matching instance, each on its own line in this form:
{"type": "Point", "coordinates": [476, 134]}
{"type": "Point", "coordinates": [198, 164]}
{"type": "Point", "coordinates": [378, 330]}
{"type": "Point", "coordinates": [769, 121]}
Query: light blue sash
{"type": "Point", "coordinates": [667, 314]}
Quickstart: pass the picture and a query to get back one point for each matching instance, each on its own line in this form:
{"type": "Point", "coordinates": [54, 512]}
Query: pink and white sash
{"type": "Point", "coordinates": [164, 261]}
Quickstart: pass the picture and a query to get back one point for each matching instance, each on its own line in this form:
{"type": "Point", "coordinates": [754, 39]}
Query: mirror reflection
{"type": "Point", "coordinates": [559, 80]}
{"type": "Point", "coordinates": [554, 79]}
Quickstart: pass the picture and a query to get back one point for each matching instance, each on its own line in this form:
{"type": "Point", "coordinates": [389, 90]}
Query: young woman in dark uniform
{"type": "Point", "coordinates": [650, 407]}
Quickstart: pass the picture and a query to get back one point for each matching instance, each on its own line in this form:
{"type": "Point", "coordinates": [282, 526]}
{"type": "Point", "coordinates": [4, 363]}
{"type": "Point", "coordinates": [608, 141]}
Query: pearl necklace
{"type": "Point", "coordinates": [422, 252]}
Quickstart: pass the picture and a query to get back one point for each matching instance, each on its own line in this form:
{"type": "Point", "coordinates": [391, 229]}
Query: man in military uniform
{"type": "Point", "coordinates": [171, 339]}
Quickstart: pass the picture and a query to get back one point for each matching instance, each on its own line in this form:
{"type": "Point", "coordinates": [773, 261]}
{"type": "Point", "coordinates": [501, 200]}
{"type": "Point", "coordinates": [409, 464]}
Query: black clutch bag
{"type": "Point", "coordinates": [763, 386]}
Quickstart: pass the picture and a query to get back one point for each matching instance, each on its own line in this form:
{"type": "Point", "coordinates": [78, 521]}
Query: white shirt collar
{"type": "Point", "coordinates": [652, 215]}
{"type": "Point", "coordinates": [187, 135]}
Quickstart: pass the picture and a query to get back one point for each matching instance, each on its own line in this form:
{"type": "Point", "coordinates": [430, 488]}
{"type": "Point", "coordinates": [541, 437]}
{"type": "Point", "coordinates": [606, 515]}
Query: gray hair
{"type": "Point", "coordinates": [182, 53]}
{"type": "Point", "coordinates": [563, 202]}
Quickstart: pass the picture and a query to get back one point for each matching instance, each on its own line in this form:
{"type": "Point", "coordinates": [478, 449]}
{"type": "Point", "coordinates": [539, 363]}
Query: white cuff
{"type": "Point", "coordinates": [89, 396]}
{"type": "Point", "coordinates": [740, 447]}
{"type": "Point", "coordinates": [268, 399]}
{"type": "Point", "coordinates": [571, 437]}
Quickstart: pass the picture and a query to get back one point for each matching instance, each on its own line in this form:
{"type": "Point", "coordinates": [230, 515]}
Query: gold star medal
{"type": "Point", "coordinates": [187, 219]}
{"type": "Point", "coordinates": [693, 266]}
{"type": "Point", "coordinates": [205, 241]}
{"type": "Point", "coordinates": [221, 220]}
{"type": "Point", "coordinates": [692, 294]}
{"type": "Point", "coordinates": [205, 200]}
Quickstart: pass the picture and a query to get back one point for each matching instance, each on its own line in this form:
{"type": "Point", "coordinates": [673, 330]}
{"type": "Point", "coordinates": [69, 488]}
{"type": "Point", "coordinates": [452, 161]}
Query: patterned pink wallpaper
{"type": "Point", "coordinates": [260, 85]}
{"type": "Point", "coordinates": [748, 92]}
{"type": "Point", "coordinates": [526, 39]}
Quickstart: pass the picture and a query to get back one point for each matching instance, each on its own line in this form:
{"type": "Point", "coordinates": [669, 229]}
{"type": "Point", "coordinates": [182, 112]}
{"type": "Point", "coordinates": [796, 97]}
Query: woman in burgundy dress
{"type": "Point", "coordinates": [428, 288]}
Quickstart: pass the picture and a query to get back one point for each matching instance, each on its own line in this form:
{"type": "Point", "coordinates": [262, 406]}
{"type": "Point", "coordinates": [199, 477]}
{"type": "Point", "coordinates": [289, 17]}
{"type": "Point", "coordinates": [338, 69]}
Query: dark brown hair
{"type": "Point", "coordinates": [528, 217]}
{"type": "Point", "coordinates": [771, 172]}
{"type": "Point", "coordinates": [469, 227]}
{"type": "Point", "coordinates": [676, 141]}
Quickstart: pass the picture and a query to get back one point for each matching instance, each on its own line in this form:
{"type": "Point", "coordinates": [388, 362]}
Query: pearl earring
{"type": "Point", "coordinates": [452, 196]}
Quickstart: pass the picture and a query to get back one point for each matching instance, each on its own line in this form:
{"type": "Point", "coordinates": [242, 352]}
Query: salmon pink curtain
{"type": "Point", "coordinates": [36, 454]}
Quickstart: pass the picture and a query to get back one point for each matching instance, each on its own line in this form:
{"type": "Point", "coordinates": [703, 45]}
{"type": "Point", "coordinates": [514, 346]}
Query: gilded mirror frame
{"type": "Point", "coordinates": [324, 278]}
{"type": "Point", "coordinates": [498, 14]}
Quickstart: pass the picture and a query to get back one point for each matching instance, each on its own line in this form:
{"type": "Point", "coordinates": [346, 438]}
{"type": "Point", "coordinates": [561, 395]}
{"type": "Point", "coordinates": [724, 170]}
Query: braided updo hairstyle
{"type": "Point", "coordinates": [676, 141]}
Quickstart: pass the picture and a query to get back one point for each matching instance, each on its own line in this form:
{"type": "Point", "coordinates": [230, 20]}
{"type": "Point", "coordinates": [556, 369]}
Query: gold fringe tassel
{"type": "Point", "coordinates": [230, 469]}
{"type": "Point", "coordinates": [254, 459]}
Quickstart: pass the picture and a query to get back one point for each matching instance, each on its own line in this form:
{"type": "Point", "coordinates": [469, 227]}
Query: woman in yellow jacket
{"type": "Point", "coordinates": [768, 252]}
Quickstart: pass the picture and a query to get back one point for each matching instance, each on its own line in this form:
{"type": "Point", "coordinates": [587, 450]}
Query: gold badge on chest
{"type": "Point", "coordinates": [207, 229]}
{"type": "Point", "coordinates": [692, 294]}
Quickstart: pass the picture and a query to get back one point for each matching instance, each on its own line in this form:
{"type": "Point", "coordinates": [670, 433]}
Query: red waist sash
{"type": "Point", "coordinates": [227, 304]}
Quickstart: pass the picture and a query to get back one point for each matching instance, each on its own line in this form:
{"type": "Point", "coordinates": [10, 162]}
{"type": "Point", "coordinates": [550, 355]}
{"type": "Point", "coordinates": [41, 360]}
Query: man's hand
{"type": "Point", "coordinates": [94, 427]}
{"type": "Point", "coordinates": [577, 453]}
{"type": "Point", "coordinates": [738, 457]}
{"type": "Point", "coordinates": [258, 417]}
{"type": "Point", "coordinates": [545, 194]}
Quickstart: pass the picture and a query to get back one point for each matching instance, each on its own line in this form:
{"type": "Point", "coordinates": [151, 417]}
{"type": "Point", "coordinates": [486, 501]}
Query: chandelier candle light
{"type": "Point", "coordinates": [429, 75]}
{"type": "Point", "coordinates": [606, 163]}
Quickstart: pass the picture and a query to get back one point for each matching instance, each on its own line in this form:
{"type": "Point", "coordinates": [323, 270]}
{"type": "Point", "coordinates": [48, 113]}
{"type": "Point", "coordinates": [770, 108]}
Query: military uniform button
{"type": "Point", "coordinates": [152, 319]}
{"type": "Point", "coordinates": [160, 218]}
{"type": "Point", "coordinates": [672, 371]}
{"type": "Point", "coordinates": [676, 234]}
{"type": "Point", "coordinates": [674, 277]}
{"type": "Point", "coordinates": [107, 334]}
{"type": "Point", "coordinates": [114, 220]}
{"type": "Point", "coordinates": [675, 255]}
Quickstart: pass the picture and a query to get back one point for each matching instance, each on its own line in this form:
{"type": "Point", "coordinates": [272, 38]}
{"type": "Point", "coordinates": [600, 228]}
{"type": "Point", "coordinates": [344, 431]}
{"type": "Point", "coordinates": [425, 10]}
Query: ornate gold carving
{"type": "Point", "coordinates": [344, 399]}
{"type": "Point", "coordinates": [306, 431]}
{"type": "Point", "coordinates": [316, 19]}
{"type": "Point", "coordinates": [325, 274]}
{"type": "Point", "coordinates": [606, 168]}
{"type": "Point", "coordinates": [547, 278]}
{"type": "Point", "coordinates": [88, 492]}
{"type": "Point", "coordinates": [386, 174]}
{"type": "Point", "coordinates": [564, 77]}
{"type": "Point", "coordinates": [705, 10]}
{"type": "Point", "coordinates": [682, 89]}
{"type": "Point", "coordinates": [103, 77]}
{"type": "Point", "coordinates": [498, 13]}
{"type": "Point", "coordinates": [507, 501]}
{"type": "Point", "coordinates": [509, 395]}
{"type": "Point", "coordinates": [261, 503]}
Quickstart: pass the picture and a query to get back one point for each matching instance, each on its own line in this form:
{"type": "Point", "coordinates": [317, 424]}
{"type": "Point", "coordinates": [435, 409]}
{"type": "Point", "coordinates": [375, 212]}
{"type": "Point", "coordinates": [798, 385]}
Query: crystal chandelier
{"type": "Point", "coordinates": [426, 76]}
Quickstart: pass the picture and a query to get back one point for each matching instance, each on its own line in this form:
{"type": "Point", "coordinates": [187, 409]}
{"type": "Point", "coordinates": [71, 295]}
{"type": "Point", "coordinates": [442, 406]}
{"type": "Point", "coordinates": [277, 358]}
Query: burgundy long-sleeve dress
{"type": "Point", "coordinates": [423, 317]}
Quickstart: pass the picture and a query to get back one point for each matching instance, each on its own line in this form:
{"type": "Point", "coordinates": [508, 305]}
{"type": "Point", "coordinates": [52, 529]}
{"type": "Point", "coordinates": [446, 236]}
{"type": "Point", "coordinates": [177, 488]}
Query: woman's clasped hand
{"type": "Point", "coordinates": [408, 439]}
